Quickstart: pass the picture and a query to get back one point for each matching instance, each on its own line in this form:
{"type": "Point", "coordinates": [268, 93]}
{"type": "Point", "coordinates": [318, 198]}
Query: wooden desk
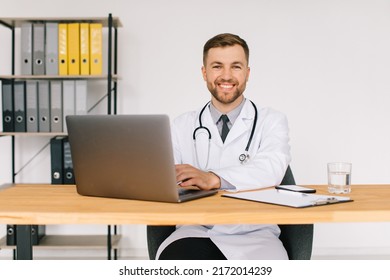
{"type": "Point", "coordinates": [48, 204]}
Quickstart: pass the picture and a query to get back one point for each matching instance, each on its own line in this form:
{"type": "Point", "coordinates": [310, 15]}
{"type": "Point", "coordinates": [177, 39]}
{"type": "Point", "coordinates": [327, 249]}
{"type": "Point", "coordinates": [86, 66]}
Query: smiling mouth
{"type": "Point", "coordinates": [226, 86]}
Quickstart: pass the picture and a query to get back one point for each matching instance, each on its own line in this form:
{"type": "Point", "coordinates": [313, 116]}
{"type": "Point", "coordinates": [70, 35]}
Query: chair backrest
{"type": "Point", "coordinates": [297, 239]}
{"type": "Point", "coordinates": [155, 236]}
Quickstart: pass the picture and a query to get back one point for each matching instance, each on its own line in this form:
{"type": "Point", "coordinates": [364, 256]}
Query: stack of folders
{"type": "Point", "coordinates": [53, 48]}
{"type": "Point", "coordinates": [61, 161]}
{"type": "Point", "coordinates": [41, 106]}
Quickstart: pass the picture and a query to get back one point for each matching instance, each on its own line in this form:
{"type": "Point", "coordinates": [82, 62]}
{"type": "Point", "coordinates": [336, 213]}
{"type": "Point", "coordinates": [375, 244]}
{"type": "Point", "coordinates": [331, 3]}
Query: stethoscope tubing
{"type": "Point", "coordinates": [244, 156]}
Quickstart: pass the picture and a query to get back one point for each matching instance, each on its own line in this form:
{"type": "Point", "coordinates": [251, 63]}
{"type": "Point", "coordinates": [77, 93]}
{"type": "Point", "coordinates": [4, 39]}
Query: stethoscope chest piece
{"type": "Point", "coordinates": [243, 158]}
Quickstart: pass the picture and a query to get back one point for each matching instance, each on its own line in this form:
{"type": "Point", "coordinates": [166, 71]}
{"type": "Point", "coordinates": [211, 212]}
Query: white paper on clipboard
{"type": "Point", "coordinates": [288, 198]}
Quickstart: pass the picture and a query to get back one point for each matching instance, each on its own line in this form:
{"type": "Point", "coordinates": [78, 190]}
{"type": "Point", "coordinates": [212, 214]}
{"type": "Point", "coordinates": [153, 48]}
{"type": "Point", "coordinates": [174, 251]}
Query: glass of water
{"type": "Point", "coordinates": [339, 177]}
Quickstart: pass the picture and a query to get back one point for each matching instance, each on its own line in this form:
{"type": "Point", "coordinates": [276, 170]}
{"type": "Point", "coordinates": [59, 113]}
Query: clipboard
{"type": "Point", "coordinates": [288, 198]}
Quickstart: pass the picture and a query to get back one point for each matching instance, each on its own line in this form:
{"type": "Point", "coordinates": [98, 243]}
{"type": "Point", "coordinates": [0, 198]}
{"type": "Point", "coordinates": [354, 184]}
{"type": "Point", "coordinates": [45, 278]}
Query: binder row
{"type": "Point", "coordinates": [41, 106]}
{"type": "Point", "coordinates": [61, 161]}
{"type": "Point", "coordinates": [54, 48]}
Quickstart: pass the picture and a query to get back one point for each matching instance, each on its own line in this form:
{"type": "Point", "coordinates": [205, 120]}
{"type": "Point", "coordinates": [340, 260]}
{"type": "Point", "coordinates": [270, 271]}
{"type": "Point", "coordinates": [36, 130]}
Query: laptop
{"type": "Point", "coordinates": [126, 156]}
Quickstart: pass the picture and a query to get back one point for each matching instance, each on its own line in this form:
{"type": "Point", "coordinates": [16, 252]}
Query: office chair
{"type": "Point", "coordinates": [297, 239]}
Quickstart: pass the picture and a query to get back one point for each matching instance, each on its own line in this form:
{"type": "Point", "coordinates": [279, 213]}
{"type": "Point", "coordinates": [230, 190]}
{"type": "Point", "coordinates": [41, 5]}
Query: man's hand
{"type": "Point", "coordinates": [188, 175]}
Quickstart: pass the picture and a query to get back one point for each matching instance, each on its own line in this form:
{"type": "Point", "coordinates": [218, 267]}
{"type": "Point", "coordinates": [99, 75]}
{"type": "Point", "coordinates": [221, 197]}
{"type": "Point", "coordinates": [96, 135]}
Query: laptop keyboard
{"type": "Point", "coordinates": [186, 191]}
{"type": "Point", "coordinates": [189, 194]}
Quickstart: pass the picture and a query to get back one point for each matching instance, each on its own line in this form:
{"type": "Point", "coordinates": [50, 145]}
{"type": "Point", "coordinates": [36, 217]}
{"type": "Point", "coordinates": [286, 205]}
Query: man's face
{"type": "Point", "coordinates": [226, 72]}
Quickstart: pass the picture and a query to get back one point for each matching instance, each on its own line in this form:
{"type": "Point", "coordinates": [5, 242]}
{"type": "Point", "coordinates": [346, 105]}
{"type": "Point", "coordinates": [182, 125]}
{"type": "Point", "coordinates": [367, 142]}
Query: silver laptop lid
{"type": "Point", "coordinates": [123, 156]}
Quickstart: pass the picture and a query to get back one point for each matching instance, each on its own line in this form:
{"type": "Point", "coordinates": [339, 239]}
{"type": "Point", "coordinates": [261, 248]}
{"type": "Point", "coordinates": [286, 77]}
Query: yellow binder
{"type": "Point", "coordinates": [63, 49]}
{"type": "Point", "coordinates": [96, 48]}
{"type": "Point", "coordinates": [73, 48]}
{"type": "Point", "coordinates": [84, 48]}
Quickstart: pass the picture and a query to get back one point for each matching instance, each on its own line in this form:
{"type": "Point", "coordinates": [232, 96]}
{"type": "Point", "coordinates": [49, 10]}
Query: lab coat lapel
{"type": "Point", "coordinates": [242, 124]}
{"type": "Point", "coordinates": [209, 123]}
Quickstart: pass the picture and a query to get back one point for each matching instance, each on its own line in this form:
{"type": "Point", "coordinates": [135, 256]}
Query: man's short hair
{"type": "Point", "coordinates": [224, 40]}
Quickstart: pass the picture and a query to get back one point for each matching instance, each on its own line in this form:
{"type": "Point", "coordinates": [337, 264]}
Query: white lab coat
{"type": "Point", "coordinates": [269, 157]}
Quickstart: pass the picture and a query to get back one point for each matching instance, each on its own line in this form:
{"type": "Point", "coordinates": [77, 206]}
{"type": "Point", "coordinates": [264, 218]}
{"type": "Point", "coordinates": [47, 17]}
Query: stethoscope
{"type": "Point", "coordinates": [243, 158]}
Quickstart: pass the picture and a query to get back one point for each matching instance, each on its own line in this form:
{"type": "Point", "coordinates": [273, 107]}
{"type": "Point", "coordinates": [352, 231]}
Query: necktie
{"type": "Point", "coordinates": [225, 128]}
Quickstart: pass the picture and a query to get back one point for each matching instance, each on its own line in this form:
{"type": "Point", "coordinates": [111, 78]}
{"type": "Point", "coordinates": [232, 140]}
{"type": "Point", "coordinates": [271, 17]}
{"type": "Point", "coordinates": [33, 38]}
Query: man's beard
{"type": "Point", "coordinates": [223, 98]}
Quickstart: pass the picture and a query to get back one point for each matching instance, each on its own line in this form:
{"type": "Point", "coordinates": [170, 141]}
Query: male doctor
{"type": "Point", "coordinates": [226, 161]}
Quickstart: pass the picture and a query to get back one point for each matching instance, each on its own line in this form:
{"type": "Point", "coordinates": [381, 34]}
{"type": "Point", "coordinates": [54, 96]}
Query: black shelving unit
{"type": "Point", "coordinates": [112, 24]}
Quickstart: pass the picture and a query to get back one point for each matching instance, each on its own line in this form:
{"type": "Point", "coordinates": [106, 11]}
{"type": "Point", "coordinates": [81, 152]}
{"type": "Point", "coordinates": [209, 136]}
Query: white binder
{"type": "Point", "coordinates": [51, 50]}
{"type": "Point", "coordinates": [81, 97]}
{"type": "Point", "coordinates": [26, 48]}
{"type": "Point", "coordinates": [44, 106]}
{"type": "Point", "coordinates": [68, 100]}
{"type": "Point", "coordinates": [32, 106]}
{"type": "Point", "coordinates": [56, 117]}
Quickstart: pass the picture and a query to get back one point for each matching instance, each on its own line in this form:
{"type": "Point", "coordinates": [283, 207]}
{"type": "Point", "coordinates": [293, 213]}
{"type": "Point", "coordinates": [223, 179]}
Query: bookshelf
{"type": "Point", "coordinates": [110, 77]}
{"type": "Point", "coordinates": [52, 77]}
{"type": "Point", "coordinates": [70, 242]}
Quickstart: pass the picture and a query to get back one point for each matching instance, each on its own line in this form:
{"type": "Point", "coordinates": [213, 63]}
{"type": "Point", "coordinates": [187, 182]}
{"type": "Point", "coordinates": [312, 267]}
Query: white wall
{"type": "Point", "coordinates": [325, 64]}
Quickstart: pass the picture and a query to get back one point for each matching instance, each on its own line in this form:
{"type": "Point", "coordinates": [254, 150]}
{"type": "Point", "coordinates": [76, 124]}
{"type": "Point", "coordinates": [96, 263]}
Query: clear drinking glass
{"type": "Point", "coordinates": [339, 177]}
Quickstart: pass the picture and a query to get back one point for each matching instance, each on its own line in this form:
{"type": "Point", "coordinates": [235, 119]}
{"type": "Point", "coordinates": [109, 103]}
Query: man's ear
{"type": "Point", "coordinates": [204, 73]}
